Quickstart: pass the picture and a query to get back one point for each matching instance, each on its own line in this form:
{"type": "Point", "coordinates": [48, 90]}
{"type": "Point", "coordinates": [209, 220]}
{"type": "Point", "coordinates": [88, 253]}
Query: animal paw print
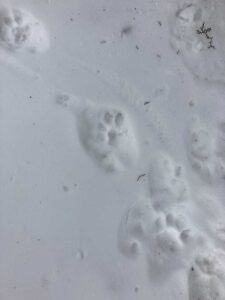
{"type": "Point", "coordinates": [184, 36]}
{"type": "Point", "coordinates": [138, 220]}
{"type": "Point", "coordinates": [197, 35]}
{"type": "Point", "coordinates": [111, 127]}
{"type": "Point", "coordinates": [167, 183]}
{"type": "Point", "coordinates": [201, 145]}
{"type": "Point", "coordinates": [206, 276]}
{"type": "Point", "coordinates": [206, 152]}
{"type": "Point", "coordinates": [172, 242]}
{"type": "Point", "coordinates": [20, 30]}
{"type": "Point", "coordinates": [166, 240]}
{"type": "Point", "coordinates": [108, 136]}
{"type": "Point", "coordinates": [106, 133]}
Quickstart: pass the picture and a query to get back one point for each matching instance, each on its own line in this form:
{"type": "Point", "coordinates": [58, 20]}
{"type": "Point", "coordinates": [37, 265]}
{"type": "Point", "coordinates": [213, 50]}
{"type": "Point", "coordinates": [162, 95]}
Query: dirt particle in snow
{"type": "Point", "coordinates": [158, 56]}
{"type": "Point", "coordinates": [126, 30]}
{"type": "Point", "coordinates": [80, 255]}
{"type": "Point", "coordinates": [65, 188]}
{"type": "Point", "coordinates": [191, 103]}
{"type": "Point", "coordinates": [136, 289]}
{"type": "Point", "coordinates": [205, 31]}
{"type": "Point", "coordinates": [141, 176]}
{"type": "Point", "coordinates": [159, 23]}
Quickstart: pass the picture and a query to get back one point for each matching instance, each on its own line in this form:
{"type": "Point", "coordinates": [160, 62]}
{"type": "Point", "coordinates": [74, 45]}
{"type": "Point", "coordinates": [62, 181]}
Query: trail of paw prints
{"type": "Point", "coordinates": [159, 228]}
{"type": "Point", "coordinates": [197, 35]}
{"type": "Point", "coordinates": [20, 30]}
{"type": "Point", "coordinates": [106, 134]}
{"type": "Point", "coordinates": [166, 240]}
{"type": "Point", "coordinates": [207, 276]}
{"type": "Point", "coordinates": [206, 152]}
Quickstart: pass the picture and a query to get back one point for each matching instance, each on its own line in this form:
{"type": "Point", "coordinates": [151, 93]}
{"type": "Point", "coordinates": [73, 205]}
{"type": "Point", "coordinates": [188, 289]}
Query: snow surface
{"type": "Point", "coordinates": [112, 149]}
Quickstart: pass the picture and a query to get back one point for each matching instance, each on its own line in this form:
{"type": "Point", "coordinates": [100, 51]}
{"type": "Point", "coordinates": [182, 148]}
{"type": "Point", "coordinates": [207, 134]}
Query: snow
{"type": "Point", "coordinates": [112, 133]}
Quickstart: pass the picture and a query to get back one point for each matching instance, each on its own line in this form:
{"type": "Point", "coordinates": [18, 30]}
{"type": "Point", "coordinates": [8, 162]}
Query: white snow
{"type": "Point", "coordinates": [112, 142]}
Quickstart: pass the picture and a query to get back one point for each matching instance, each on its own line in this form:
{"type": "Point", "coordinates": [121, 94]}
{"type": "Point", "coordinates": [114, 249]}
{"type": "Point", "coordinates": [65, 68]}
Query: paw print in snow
{"type": "Point", "coordinates": [138, 221]}
{"type": "Point", "coordinates": [166, 240]}
{"type": "Point", "coordinates": [111, 127]}
{"type": "Point", "coordinates": [197, 34]}
{"type": "Point", "coordinates": [167, 183]}
{"type": "Point", "coordinates": [201, 145]}
{"type": "Point", "coordinates": [173, 242]}
{"type": "Point", "coordinates": [206, 152]}
{"type": "Point", "coordinates": [108, 136]}
{"type": "Point", "coordinates": [207, 277]}
{"type": "Point", "coordinates": [20, 30]}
